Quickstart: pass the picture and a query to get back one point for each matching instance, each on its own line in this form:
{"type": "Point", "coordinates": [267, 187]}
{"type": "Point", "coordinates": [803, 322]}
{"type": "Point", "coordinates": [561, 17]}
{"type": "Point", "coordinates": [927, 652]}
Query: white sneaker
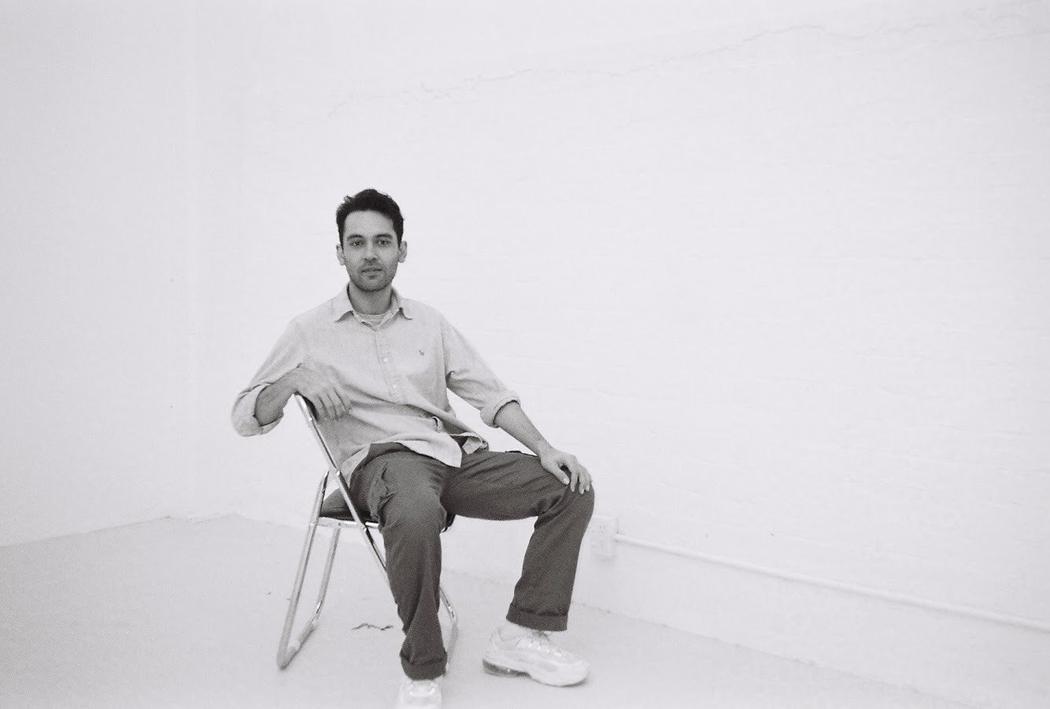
{"type": "Point", "coordinates": [533, 653]}
{"type": "Point", "coordinates": [419, 694]}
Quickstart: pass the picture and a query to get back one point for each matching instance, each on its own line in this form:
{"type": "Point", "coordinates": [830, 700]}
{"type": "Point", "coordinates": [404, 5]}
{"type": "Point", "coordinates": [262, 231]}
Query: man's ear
{"type": "Point", "coordinates": [339, 254]}
{"type": "Point", "coordinates": [402, 252]}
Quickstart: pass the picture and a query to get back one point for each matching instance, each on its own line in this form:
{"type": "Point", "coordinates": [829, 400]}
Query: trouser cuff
{"type": "Point", "coordinates": [430, 670]}
{"type": "Point", "coordinates": [536, 621]}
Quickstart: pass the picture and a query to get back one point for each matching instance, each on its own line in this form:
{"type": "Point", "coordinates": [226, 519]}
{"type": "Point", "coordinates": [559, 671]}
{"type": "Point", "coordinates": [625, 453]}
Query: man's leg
{"type": "Point", "coordinates": [505, 486]}
{"type": "Point", "coordinates": [401, 489]}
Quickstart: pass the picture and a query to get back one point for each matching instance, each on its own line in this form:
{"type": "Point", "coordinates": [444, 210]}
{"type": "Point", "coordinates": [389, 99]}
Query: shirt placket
{"type": "Point", "coordinates": [388, 366]}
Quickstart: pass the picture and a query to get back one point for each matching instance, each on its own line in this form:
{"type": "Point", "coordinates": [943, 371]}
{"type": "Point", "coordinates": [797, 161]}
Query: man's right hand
{"type": "Point", "coordinates": [328, 401]}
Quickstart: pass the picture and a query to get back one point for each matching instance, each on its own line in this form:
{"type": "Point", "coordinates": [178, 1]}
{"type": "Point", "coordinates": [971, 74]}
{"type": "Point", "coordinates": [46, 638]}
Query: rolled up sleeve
{"type": "Point", "coordinates": [286, 355]}
{"type": "Point", "coordinates": [467, 375]}
{"type": "Point", "coordinates": [488, 413]}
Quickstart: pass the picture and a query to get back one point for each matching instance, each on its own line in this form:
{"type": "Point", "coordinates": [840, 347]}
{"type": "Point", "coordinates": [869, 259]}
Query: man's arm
{"type": "Point", "coordinates": [469, 377]}
{"type": "Point", "coordinates": [329, 402]}
{"type": "Point", "coordinates": [259, 406]}
{"type": "Point", "coordinates": [564, 466]}
{"type": "Point", "coordinates": [272, 399]}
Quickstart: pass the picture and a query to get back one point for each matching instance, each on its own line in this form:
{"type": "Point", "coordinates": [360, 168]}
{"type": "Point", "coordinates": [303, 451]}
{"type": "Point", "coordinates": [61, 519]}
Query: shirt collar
{"type": "Point", "coordinates": [341, 304]}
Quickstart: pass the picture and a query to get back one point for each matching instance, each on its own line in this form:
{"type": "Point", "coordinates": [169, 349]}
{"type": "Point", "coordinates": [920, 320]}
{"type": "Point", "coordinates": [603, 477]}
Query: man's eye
{"type": "Point", "coordinates": [356, 243]}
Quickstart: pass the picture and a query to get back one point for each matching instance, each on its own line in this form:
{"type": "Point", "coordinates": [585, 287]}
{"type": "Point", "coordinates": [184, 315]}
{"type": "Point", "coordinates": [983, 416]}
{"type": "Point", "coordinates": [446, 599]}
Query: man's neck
{"type": "Point", "coordinates": [369, 303]}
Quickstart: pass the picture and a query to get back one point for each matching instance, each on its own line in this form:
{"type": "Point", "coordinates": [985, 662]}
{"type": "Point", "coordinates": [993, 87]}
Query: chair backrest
{"type": "Point", "coordinates": [311, 422]}
{"type": "Point", "coordinates": [333, 468]}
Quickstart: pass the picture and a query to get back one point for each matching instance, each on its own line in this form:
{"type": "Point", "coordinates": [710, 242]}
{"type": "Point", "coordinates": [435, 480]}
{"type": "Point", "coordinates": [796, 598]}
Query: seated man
{"type": "Point", "coordinates": [377, 368]}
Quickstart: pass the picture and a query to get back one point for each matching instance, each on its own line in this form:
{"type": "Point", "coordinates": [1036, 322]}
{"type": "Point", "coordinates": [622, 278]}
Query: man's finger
{"type": "Point", "coordinates": [575, 479]}
{"type": "Point", "coordinates": [316, 405]}
{"type": "Point", "coordinates": [584, 476]}
{"type": "Point", "coordinates": [559, 473]}
{"type": "Point", "coordinates": [344, 400]}
{"type": "Point", "coordinates": [574, 466]}
{"type": "Point", "coordinates": [329, 406]}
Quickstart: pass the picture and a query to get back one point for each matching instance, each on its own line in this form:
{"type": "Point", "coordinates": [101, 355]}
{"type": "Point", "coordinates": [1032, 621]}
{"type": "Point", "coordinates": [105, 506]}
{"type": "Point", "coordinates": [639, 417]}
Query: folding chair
{"type": "Point", "coordinates": [338, 512]}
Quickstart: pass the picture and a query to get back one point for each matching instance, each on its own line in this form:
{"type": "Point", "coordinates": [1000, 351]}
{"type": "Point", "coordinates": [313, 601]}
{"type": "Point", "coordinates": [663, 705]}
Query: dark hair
{"type": "Point", "coordinates": [370, 200]}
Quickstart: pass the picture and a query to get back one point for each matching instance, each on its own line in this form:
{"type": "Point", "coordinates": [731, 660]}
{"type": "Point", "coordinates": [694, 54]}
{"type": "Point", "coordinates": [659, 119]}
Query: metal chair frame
{"type": "Point", "coordinates": [288, 648]}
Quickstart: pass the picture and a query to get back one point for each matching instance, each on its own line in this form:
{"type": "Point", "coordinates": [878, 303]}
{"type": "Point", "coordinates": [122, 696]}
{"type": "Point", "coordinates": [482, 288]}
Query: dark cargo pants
{"type": "Point", "coordinates": [412, 496]}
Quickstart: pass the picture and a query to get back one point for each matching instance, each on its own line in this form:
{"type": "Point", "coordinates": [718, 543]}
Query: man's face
{"type": "Point", "coordinates": [370, 252]}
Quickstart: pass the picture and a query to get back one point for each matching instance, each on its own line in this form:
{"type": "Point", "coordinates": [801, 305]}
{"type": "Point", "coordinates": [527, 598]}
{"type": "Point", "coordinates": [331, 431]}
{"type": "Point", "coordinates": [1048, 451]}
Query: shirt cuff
{"type": "Point", "coordinates": [488, 413]}
{"type": "Point", "coordinates": [244, 421]}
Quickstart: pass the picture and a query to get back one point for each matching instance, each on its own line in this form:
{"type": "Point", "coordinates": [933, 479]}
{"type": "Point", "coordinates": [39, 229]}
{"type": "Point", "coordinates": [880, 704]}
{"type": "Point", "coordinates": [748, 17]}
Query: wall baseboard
{"type": "Point", "coordinates": [969, 660]}
{"type": "Point", "coordinates": [973, 661]}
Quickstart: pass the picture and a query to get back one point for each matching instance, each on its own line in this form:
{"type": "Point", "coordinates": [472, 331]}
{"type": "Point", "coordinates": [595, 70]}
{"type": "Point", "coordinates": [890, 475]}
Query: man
{"type": "Point", "coordinates": [377, 368]}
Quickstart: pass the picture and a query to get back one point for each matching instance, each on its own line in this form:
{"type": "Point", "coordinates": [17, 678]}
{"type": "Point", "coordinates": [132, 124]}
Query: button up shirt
{"type": "Point", "coordinates": [396, 376]}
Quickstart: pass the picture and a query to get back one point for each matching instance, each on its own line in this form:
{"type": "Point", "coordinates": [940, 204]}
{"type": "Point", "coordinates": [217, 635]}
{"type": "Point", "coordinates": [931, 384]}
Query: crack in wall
{"type": "Point", "coordinates": [980, 19]}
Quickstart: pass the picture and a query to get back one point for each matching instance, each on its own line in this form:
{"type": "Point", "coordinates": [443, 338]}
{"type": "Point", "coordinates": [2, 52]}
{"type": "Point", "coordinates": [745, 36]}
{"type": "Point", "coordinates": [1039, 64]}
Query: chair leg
{"type": "Point", "coordinates": [323, 591]}
{"type": "Point", "coordinates": [453, 628]}
{"type": "Point", "coordinates": [287, 650]}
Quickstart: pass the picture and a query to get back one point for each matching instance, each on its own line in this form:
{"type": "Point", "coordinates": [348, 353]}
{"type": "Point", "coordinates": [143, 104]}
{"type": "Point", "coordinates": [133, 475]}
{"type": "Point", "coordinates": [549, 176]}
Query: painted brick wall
{"type": "Point", "coordinates": [789, 279]}
{"type": "Point", "coordinates": [780, 278]}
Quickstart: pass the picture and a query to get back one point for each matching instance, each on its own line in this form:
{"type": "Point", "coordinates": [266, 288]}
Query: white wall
{"type": "Point", "coordinates": [777, 275]}
{"type": "Point", "coordinates": [780, 280]}
{"type": "Point", "coordinates": [94, 212]}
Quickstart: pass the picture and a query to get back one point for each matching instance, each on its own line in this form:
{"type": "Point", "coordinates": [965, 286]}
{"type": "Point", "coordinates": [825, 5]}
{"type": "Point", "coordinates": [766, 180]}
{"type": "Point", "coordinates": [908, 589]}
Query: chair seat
{"type": "Point", "coordinates": [334, 507]}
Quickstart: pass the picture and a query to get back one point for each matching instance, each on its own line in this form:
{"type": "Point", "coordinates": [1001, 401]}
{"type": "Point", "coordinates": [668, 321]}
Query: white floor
{"type": "Point", "coordinates": [178, 613]}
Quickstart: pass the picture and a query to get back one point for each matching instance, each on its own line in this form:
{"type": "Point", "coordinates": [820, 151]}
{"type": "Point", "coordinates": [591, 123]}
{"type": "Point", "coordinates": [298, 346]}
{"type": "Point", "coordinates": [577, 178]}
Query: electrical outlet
{"type": "Point", "coordinates": [603, 536]}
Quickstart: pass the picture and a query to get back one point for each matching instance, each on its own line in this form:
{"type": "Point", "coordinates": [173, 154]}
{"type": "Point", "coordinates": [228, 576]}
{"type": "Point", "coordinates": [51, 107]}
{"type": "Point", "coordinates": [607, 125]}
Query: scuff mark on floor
{"type": "Point", "coordinates": [373, 627]}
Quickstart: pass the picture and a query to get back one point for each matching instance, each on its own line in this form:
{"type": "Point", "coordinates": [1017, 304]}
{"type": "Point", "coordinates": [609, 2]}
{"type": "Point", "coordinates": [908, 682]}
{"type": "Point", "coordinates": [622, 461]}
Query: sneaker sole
{"type": "Point", "coordinates": [501, 671]}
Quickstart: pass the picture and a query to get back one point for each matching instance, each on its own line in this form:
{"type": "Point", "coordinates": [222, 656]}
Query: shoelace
{"type": "Point", "coordinates": [419, 688]}
{"type": "Point", "coordinates": [542, 642]}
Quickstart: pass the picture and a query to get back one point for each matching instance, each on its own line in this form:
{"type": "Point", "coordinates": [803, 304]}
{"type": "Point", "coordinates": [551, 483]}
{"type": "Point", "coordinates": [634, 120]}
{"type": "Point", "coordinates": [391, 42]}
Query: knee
{"type": "Point", "coordinates": [587, 501]}
{"type": "Point", "coordinates": [416, 520]}
{"type": "Point", "coordinates": [580, 505]}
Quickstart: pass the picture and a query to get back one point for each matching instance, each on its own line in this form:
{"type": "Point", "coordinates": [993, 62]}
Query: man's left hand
{"type": "Point", "coordinates": [566, 468]}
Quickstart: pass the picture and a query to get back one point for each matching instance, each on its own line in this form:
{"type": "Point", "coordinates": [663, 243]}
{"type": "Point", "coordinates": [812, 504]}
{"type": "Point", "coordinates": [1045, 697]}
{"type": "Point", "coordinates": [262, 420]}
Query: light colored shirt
{"type": "Point", "coordinates": [396, 375]}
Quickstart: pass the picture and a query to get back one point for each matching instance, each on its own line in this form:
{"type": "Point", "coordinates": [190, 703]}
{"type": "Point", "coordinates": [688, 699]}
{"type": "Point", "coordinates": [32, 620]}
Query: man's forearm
{"type": "Point", "coordinates": [512, 419]}
{"type": "Point", "coordinates": [272, 399]}
{"type": "Point", "coordinates": [560, 464]}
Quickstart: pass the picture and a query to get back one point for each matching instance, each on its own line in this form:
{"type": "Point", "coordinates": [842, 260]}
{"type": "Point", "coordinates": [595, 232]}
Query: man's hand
{"type": "Point", "coordinates": [560, 464]}
{"type": "Point", "coordinates": [328, 401]}
{"type": "Point", "coordinates": [566, 468]}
